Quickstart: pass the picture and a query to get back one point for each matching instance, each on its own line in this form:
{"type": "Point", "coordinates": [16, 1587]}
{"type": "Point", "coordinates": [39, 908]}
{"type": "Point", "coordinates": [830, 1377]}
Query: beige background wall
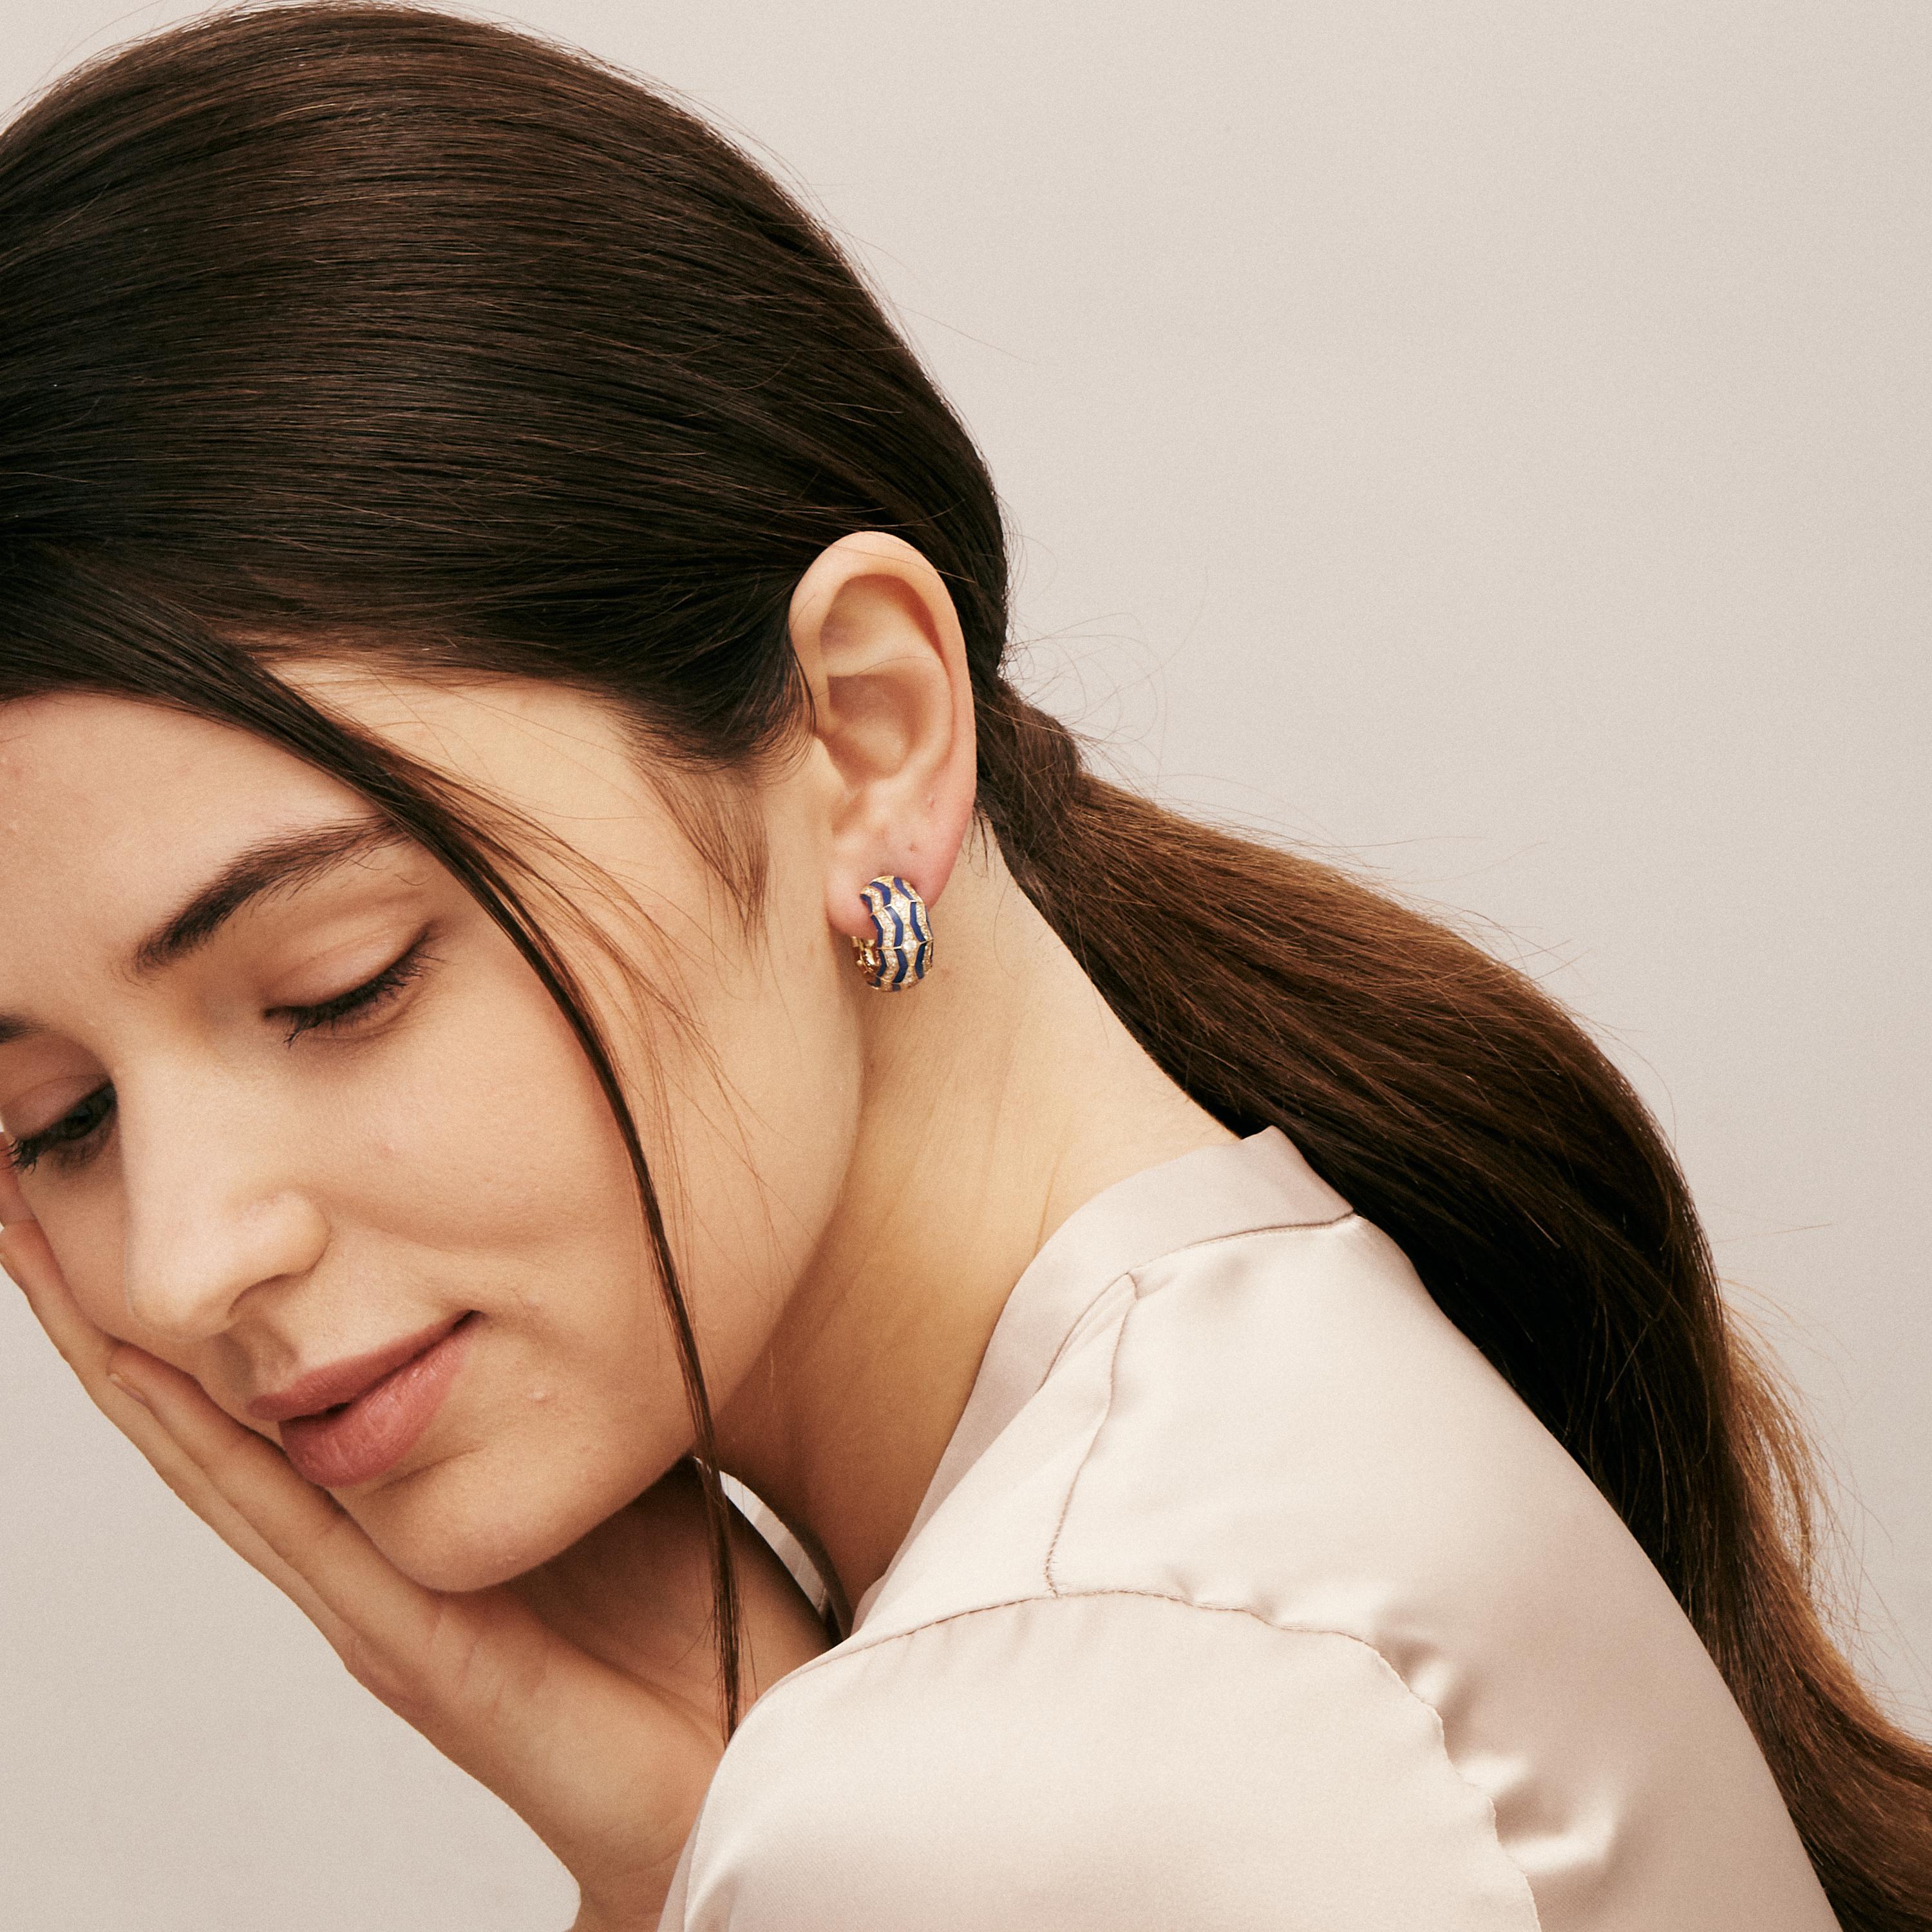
{"type": "Point", "coordinates": [1490, 436]}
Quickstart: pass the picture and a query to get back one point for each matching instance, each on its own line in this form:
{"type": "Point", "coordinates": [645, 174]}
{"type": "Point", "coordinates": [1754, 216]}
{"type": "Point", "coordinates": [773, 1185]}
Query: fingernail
{"type": "Point", "coordinates": [128, 1389]}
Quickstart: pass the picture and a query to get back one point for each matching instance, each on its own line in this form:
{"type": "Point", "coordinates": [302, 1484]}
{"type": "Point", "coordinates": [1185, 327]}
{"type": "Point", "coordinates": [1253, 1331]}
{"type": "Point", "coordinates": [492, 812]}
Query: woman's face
{"type": "Point", "coordinates": [331, 1127]}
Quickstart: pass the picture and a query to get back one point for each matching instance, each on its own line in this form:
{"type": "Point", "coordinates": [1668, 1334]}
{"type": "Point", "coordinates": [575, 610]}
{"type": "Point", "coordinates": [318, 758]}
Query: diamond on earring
{"type": "Point", "coordinates": [902, 954]}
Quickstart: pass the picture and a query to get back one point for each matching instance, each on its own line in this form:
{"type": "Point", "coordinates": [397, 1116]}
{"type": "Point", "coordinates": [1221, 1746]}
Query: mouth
{"type": "Point", "coordinates": [353, 1421]}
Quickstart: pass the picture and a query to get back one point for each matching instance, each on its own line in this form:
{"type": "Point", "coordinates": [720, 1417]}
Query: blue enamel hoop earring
{"type": "Point", "coordinates": [902, 954]}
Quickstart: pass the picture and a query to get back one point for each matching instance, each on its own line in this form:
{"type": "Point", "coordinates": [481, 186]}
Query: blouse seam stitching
{"type": "Point", "coordinates": [1375, 1651]}
{"type": "Point", "coordinates": [1134, 1274]}
{"type": "Point", "coordinates": [1133, 1271]}
{"type": "Point", "coordinates": [1058, 1596]}
{"type": "Point", "coordinates": [1106, 1415]}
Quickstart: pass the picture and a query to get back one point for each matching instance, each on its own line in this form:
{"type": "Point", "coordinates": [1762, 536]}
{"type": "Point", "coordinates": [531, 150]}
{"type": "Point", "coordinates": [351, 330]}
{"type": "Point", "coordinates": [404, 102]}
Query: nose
{"type": "Point", "coordinates": [215, 1207]}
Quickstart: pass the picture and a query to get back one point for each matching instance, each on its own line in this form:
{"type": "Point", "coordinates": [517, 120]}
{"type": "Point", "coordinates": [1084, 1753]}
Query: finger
{"type": "Point", "coordinates": [479, 1676]}
{"type": "Point", "coordinates": [13, 1203]}
{"type": "Point", "coordinates": [131, 1410]}
{"type": "Point", "coordinates": [397, 1637]}
{"type": "Point", "coordinates": [26, 1256]}
{"type": "Point", "coordinates": [559, 1735]}
{"type": "Point", "coordinates": [303, 1527]}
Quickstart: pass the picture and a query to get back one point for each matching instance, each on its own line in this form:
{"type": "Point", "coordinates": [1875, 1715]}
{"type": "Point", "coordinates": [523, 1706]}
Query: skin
{"type": "Point", "coordinates": [852, 1180]}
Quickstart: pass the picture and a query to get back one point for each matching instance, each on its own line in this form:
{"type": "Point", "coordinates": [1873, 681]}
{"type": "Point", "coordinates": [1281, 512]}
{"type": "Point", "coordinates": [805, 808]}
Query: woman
{"type": "Point", "coordinates": [502, 665]}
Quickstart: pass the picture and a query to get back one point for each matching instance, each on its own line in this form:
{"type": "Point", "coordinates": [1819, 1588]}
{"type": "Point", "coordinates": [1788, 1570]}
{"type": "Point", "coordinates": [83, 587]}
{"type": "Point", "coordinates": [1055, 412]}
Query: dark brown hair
{"type": "Point", "coordinates": [364, 328]}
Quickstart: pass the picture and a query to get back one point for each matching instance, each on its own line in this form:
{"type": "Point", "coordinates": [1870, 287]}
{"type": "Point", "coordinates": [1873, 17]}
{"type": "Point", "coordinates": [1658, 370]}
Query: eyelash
{"type": "Point", "coordinates": [371, 994]}
{"type": "Point", "coordinates": [70, 1148]}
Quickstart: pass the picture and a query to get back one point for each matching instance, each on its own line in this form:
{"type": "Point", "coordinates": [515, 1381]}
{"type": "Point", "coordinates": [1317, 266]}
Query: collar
{"type": "Point", "coordinates": [1237, 1188]}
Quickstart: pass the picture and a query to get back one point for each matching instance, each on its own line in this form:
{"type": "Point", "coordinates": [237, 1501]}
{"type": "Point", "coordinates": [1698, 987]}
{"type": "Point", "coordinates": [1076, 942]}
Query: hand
{"type": "Point", "coordinates": [582, 1693]}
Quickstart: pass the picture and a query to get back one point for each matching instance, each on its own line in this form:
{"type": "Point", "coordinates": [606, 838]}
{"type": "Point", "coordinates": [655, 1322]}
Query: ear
{"type": "Point", "coordinates": [879, 643]}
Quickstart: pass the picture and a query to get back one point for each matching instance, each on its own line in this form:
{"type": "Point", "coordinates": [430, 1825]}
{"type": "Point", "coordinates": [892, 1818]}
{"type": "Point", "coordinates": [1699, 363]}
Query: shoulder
{"type": "Point", "coordinates": [1268, 1468]}
{"type": "Point", "coordinates": [1096, 1760]}
{"type": "Point", "coordinates": [1286, 1421]}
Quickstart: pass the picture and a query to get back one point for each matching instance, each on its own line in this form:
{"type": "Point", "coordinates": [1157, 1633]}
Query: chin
{"type": "Point", "coordinates": [453, 1565]}
{"type": "Point", "coordinates": [446, 1536]}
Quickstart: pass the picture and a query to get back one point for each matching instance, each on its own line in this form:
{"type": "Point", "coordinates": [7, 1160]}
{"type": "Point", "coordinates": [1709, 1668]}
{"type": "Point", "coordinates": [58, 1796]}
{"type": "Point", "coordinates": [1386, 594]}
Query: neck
{"type": "Point", "coordinates": [1000, 1094]}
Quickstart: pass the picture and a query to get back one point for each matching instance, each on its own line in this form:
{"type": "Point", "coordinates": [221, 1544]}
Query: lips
{"type": "Point", "coordinates": [349, 1423]}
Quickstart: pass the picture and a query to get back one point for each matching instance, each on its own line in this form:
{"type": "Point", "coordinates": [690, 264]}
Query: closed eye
{"type": "Point", "coordinates": [335, 1014]}
{"type": "Point", "coordinates": [67, 1139]}
{"type": "Point", "coordinates": [74, 1139]}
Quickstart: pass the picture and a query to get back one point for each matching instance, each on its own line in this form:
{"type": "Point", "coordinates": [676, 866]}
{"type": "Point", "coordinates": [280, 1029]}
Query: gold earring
{"type": "Point", "coordinates": [902, 954]}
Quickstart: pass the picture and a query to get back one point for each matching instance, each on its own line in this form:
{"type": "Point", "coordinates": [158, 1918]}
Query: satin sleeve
{"type": "Point", "coordinates": [1090, 1762]}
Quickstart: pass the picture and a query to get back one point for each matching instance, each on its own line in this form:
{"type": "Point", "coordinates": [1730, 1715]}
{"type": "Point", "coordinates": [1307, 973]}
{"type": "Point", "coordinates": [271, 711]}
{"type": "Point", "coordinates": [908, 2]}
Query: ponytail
{"type": "Point", "coordinates": [1455, 1105]}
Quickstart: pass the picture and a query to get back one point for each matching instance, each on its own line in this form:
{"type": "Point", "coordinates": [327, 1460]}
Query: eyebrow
{"type": "Point", "coordinates": [286, 862]}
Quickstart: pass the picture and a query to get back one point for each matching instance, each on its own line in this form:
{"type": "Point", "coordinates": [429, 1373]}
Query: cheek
{"type": "Point", "coordinates": [490, 1175]}
{"type": "Point", "coordinates": [493, 1161]}
{"type": "Point", "coordinates": [489, 1127]}
{"type": "Point", "coordinates": [90, 1247]}
{"type": "Point", "coordinates": [761, 1133]}
{"type": "Point", "coordinates": [494, 1171]}
{"type": "Point", "coordinates": [533, 1487]}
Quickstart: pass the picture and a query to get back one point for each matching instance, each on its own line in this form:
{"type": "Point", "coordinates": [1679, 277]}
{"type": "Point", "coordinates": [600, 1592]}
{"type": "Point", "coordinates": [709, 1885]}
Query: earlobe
{"type": "Point", "coordinates": [879, 645]}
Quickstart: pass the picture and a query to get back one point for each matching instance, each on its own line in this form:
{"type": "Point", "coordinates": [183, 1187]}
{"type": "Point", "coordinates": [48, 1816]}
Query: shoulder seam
{"type": "Point", "coordinates": [1099, 1428]}
{"type": "Point", "coordinates": [1134, 1270]}
{"type": "Point", "coordinates": [1133, 1274]}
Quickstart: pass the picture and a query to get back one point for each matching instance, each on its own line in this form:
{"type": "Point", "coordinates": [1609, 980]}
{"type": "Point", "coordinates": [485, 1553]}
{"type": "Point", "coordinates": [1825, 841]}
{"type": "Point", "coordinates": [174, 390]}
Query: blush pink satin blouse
{"type": "Point", "coordinates": [1247, 1595]}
